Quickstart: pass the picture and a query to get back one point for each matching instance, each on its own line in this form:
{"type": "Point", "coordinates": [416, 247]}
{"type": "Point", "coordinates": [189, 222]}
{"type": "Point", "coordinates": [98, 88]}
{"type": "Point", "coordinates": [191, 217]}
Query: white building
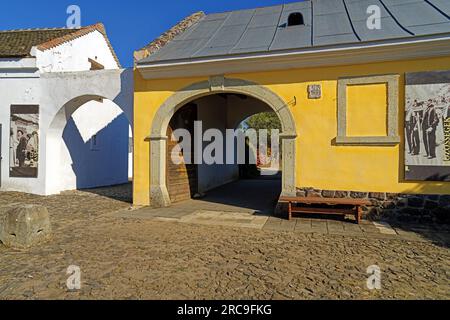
{"type": "Point", "coordinates": [65, 111]}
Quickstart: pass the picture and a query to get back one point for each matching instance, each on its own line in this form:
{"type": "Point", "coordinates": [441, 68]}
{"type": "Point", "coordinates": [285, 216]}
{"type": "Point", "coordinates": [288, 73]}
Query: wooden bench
{"type": "Point", "coordinates": [331, 206]}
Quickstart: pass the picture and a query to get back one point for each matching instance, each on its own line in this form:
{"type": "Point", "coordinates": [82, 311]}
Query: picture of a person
{"type": "Point", "coordinates": [415, 134]}
{"type": "Point", "coordinates": [21, 148]}
{"type": "Point", "coordinates": [412, 130]}
{"type": "Point", "coordinates": [32, 148]}
{"type": "Point", "coordinates": [12, 149]}
{"type": "Point", "coordinates": [429, 124]}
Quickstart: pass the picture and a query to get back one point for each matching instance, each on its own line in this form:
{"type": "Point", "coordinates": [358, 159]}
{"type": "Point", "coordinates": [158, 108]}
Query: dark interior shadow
{"type": "Point", "coordinates": [260, 194]}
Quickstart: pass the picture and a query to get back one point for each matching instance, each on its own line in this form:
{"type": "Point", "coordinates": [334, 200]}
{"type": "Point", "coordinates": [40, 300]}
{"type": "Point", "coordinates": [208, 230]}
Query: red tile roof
{"type": "Point", "coordinates": [18, 43]}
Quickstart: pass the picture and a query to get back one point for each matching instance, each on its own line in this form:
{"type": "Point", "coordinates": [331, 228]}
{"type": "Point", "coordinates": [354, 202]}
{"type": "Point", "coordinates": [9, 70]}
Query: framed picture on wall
{"type": "Point", "coordinates": [427, 126]}
{"type": "Point", "coordinates": [24, 141]}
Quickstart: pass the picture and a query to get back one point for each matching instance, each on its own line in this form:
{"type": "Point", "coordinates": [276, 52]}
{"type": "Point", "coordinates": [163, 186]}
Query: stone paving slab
{"type": "Point", "coordinates": [217, 216]}
{"type": "Point", "coordinates": [385, 228]}
{"type": "Point", "coordinates": [225, 219]}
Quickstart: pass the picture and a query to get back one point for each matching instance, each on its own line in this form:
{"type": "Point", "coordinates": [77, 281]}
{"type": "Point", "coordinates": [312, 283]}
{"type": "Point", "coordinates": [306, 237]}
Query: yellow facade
{"type": "Point", "coordinates": [320, 163]}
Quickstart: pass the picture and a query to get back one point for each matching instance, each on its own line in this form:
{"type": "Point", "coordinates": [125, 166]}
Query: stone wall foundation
{"type": "Point", "coordinates": [393, 206]}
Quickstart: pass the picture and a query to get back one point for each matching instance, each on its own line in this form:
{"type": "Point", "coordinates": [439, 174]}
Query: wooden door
{"type": "Point", "coordinates": [182, 180]}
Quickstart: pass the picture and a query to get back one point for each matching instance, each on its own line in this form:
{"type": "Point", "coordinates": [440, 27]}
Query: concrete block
{"type": "Point", "coordinates": [24, 226]}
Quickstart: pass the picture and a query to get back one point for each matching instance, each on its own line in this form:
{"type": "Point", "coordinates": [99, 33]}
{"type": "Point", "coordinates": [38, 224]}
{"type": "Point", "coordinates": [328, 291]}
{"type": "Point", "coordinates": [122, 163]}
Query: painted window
{"type": "Point", "coordinates": [368, 110]}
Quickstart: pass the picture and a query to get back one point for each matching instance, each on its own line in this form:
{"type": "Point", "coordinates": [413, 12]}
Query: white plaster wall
{"type": "Point", "coordinates": [216, 112]}
{"type": "Point", "coordinates": [212, 111]}
{"type": "Point", "coordinates": [130, 153]}
{"type": "Point", "coordinates": [83, 165]}
{"type": "Point", "coordinates": [73, 56]}
{"type": "Point", "coordinates": [59, 95]}
{"type": "Point", "coordinates": [58, 81]}
{"type": "Point", "coordinates": [16, 91]}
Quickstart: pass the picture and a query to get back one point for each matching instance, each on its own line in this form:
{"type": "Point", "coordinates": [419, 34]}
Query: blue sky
{"type": "Point", "coordinates": [130, 24]}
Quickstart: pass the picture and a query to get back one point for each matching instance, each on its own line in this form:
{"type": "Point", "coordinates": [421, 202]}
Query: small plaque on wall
{"type": "Point", "coordinates": [314, 91]}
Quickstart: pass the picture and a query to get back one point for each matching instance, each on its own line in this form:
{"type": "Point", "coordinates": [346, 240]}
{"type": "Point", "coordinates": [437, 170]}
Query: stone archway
{"type": "Point", "coordinates": [159, 196]}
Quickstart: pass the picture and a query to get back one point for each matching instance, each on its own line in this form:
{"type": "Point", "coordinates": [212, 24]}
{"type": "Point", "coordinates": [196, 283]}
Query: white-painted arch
{"type": "Point", "coordinates": [110, 90]}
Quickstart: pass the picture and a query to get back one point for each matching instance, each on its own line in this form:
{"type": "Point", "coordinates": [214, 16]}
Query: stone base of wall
{"type": "Point", "coordinates": [393, 206]}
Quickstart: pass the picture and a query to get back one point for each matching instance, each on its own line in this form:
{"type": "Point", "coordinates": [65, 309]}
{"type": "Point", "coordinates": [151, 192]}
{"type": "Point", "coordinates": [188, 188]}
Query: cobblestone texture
{"type": "Point", "coordinates": [126, 258]}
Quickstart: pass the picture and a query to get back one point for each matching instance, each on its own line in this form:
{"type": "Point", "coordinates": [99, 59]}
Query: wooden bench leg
{"type": "Point", "coordinates": [290, 211]}
{"type": "Point", "coordinates": [358, 215]}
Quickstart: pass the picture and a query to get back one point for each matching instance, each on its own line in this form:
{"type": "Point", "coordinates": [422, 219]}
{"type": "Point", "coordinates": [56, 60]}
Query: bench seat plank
{"type": "Point", "coordinates": [351, 206]}
{"type": "Point", "coordinates": [322, 210]}
{"type": "Point", "coordinates": [327, 201]}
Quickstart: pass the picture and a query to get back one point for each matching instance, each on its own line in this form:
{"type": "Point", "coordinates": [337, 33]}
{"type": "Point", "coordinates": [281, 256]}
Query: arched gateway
{"type": "Point", "coordinates": [159, 196]}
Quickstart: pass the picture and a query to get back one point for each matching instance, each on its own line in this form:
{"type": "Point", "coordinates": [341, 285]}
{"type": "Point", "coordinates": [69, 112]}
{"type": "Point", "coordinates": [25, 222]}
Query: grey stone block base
{"type": "Point", "coordinates": [24, 226]}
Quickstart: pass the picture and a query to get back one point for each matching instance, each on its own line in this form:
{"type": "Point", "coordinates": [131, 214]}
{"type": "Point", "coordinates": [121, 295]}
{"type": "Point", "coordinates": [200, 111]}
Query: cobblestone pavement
{"type": "Point", "coordinates": [136, 258]}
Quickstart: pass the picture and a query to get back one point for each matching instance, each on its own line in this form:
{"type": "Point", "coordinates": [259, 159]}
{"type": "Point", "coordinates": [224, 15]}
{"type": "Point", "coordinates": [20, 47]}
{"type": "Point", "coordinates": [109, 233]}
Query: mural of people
{"type": "Point", "coordinates": [427, 126]}
{"type": "Point", "coordinates": [24, 141]}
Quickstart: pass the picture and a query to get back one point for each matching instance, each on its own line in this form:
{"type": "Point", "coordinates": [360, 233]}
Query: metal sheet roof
{"type": "Point", "coordinates": [326, 23]}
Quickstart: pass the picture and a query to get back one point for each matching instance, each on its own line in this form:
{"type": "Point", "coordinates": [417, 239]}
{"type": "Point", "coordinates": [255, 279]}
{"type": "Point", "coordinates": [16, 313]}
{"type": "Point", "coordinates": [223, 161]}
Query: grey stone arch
{"type": "Point", "coordinates": [159, 195]}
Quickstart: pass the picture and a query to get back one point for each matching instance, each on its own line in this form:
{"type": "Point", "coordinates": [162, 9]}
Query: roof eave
{"type": "Point", "coordinates": [415, 48]}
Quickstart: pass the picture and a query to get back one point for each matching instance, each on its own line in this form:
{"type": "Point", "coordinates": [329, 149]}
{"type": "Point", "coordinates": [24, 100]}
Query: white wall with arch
{"type": "Point", "coordinates": [87, 143]}
{"type": "Point", "coordinates": [73, 108]}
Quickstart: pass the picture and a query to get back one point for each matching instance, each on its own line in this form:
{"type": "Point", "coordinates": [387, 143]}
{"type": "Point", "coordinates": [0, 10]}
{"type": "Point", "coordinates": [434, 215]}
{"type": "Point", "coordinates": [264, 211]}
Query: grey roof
{"type": "Point", "coordinates": [326, 23]}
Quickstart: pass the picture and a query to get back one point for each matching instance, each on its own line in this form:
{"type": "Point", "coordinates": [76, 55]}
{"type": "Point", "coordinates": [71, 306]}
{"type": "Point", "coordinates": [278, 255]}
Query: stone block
{"type": "Point", "coordinates": [429, 204]}
{"type": "Point", "coordinates": [442, 214]}
{"type": "Point", "coordinates": [24, 226]}
{"type": "Point", "coordinates": [377, 195]}
{"type": "Point", "coordinates": [314, 193]}
{"type": "Point", "coordinates": [416, 202]}
{"type": "Point", "coordinates": [401, 202]}
{"type": "Point", "coordinates": [389, 205]}
{"type": "Point", "coordinates": [341, 194]}
{"type": "Point", "coordinates": [412, 212]}
{"type": "Point", "coordinates": [328, 193]}
{"type": "Point", "coordinates": [433, 197]}
{"type": "Point", "coordinates": [444, 200]}
{"type": "Point", "coordinates": [359, 195]}
{"type": "Point", "coordinates": [392, 196]}
{"type": "Point", "coordinates": [301, 193]}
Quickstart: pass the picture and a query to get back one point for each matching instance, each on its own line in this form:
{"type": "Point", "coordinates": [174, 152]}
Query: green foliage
{"type": "Point", "coordinates": [265, 120]}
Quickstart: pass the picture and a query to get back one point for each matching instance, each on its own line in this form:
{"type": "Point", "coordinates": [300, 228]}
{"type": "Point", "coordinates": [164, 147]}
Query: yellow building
{"type": "Point", "coordinates": [357, 93]}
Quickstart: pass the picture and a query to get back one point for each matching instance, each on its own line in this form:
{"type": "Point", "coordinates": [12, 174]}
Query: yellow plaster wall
{"type": "Point", "coordinates": [320, 163]}
{"type": "Point", "coordinates": [367, 110]}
